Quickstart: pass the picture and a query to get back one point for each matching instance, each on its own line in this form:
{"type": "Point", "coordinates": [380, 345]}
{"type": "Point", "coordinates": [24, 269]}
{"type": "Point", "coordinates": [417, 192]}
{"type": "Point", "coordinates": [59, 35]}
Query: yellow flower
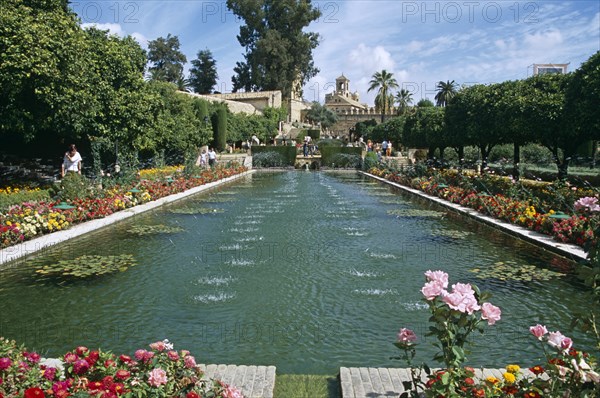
{"type": "Point", "coordinates": [509, 378]}
{"type": "Point", "coordinates": [492, 380]}
{"type": "Point", "coordinates": [514, 369]}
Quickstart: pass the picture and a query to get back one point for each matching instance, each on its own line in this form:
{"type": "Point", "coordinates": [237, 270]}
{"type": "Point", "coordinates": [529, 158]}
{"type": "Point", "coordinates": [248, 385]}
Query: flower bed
{"type": "Point", "coordinates": [530, 206]}
{"type": "Point", "coordinates": [158, 372]}
{"type": "Point", "coordinates": [32, 219]}
{"type": "Point", "coordinates": [455, 315]}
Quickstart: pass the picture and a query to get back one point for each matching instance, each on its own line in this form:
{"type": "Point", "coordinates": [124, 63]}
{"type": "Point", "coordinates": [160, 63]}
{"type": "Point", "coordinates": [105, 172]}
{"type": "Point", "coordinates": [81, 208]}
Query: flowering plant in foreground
{"type": "Point", "coordinates": [455, 314]}
{"type": "Point", "coordinates": [566, 373]}
{"type": "Point", "coordinates": [158, 372]}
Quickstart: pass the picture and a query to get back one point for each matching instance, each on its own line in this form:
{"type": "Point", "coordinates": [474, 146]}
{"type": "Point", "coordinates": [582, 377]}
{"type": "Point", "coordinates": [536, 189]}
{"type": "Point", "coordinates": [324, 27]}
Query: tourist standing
{"type": "Point", "coordinates": [71, 162]}
{"type": "Point", "coordinates": [203, 159]}
{"type": "Point", "coordinates": [384, 146]}
{"type": "Point", "coordinates": [212, 157]}
{"type": "Point", "coordinates": [389, 149]}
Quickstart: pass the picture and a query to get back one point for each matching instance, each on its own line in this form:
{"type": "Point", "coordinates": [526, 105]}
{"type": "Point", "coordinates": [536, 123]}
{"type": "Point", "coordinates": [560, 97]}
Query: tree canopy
{"type": "Point", "coordinates": [278, 52]}
{"type": "Point", "coordinates": [166, 59]}
{"type": "Point", "coordinates": [203, 73]}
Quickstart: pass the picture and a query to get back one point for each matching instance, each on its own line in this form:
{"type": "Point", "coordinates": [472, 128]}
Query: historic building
{"type": "Point", "coordinates": [342, 101]}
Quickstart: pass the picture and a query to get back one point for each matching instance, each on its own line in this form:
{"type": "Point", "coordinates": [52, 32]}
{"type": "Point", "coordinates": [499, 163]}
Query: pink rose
{"type": "Point", "coordinates": [139, 354]}
{"type": "Point", "coordinates": [558, 340]}
{"type": "Point", "coordinates": [463, 288]}
{"type": "Point", "coordinates": [81, 350]}
{"type": "Point", "coordinates": [157, 377]}
{"type": "Point", "coordinates": [491, 313]}
{"type": "Point", "coordinates": [466, 303]}
{"type": "Point", "coordinates": [538, 331]}
{"type": "Point", "coordinates": [232, 392]}
{"type": "Point", "coordinates": [406, 336]}
{"type": "Point", "coordinates": [158, 346]}
{"type": "Point", "coordinates": [173, 355]}
{"type": "Point", "coordinates": [437, 276]}
{"type": "Point", "coordinates": [189, 361]}
{"type": "Point", "coordinates": [432, 289]}
{"type": "Point", "coordinates": [148, 355]}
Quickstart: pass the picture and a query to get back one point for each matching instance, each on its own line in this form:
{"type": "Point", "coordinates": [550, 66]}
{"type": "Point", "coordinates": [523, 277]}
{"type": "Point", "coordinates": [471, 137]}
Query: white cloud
{"type": "Point", "coordinates": [367, 60]}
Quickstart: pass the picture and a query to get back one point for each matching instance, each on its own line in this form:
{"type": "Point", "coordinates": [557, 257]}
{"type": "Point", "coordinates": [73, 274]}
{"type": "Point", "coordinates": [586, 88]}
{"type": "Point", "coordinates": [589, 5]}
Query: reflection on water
{"type": "Point", "coordinates": [305, 271]}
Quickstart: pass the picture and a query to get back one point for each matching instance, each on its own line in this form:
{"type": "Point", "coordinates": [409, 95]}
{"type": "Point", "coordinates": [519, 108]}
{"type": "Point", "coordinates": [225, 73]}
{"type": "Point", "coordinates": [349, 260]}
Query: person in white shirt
{"type": "Point", "coordinates": [212, 157]}
{"type": "Point", "coordinates": [71, 162]}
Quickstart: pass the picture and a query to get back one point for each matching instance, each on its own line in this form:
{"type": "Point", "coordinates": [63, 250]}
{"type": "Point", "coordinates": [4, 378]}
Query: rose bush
{"type": "Point", "coordinates": [158, 372]}
{"type": "Point", "coordinates": [464, 309]}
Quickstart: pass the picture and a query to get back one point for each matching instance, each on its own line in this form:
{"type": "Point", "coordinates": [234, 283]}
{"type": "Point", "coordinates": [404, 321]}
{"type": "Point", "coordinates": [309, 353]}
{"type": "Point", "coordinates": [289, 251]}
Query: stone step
{"type": "Point", "coordinates": [252, 381]}
{"type": "Point", "coordinates": [387, 382]}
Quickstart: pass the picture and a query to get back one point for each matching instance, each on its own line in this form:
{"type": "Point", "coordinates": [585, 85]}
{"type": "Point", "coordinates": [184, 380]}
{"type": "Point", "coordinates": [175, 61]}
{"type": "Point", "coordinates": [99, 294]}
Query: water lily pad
{"type": "Point", "coordinates": [88, 266]}
{"type": "Point", "coordinates": [216, 199]}
{"type": "Point", "coordinates": [512, 271]}
{"type": "Point", "coordinates": [143, 230]}
{"type": "Point", "coordinates": [452, 233]}
{"type": "Point", "coordinates": [197, 210]}
{"type": "Point", "coordinates": [415, 213]}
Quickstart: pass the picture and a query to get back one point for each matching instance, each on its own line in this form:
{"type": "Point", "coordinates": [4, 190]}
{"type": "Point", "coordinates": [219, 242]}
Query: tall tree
{"type": "Point", "coordinates": [445, 92]}
{"type": "Point", "coordinates": [203, 73]}
{"type": "Point", "coordinates": [385, 82]}
{"type": "Point", "coordinates": [278, 53]}
{"type": "Point", "coordinates": [321, 115]}
{"type": "Point", "coordinates": [167, 61]}
{"type": "Point", "coordinates": [403, 98]}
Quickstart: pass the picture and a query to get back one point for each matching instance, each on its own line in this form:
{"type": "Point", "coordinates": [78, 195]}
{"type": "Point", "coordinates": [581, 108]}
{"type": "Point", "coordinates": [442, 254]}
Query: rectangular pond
{"type": "Point", "coordinates": [305, 271]}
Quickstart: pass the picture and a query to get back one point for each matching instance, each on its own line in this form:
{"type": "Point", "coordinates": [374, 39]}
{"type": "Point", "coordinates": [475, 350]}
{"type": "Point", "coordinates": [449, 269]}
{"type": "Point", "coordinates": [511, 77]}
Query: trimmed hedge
{"type": "Point", "coordinates": [273, 156]}
{"type": "Point", "coordinates": [332, 156]}
{"type": "Point", "coordinates": [314, 134]}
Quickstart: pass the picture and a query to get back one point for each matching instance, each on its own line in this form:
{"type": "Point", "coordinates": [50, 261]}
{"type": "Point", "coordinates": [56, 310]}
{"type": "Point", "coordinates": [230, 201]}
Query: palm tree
{"type": "Point", "coordinates": [385, 82]}
{"type": "Point", "coordinates": [404, 99]}
{"type": "Point", "coordinates": [183, 84]}
{"type": "Point", "coordinates": [445, 92]}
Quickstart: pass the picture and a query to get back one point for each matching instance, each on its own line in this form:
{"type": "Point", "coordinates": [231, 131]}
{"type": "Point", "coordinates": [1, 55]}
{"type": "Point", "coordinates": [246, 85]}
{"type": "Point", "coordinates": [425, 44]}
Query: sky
{"type": "Point", "coordinates": [420, 42]}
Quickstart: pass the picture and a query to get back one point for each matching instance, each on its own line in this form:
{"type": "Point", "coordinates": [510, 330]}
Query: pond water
{"type": "Point", "coordinates": [305, 271]}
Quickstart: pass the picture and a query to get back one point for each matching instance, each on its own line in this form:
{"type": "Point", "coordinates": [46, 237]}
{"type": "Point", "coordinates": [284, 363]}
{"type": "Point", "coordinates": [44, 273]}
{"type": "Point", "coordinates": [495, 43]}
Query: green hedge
{"type": "Point", "coordinates": [273, 156]}
{"type": "Point", "coordinates": [345, 157]}
{"type": "Point", "coordinates": [314, 134]}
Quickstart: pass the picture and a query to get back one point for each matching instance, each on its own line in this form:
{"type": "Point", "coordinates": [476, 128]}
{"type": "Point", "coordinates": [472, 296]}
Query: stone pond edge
{"type": "Point", "coordinates": [43, 242]}
{"type": "Point", "coordinates": [569, 251]}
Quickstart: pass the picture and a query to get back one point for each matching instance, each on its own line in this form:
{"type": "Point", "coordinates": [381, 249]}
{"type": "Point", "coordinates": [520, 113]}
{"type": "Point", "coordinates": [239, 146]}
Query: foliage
{"type": "Point", "coordinates": [87, 266]}
{"type": "Point", "coordinates": [158, 372]}
{"type": "Point", "coordinates": [220, 129]}
{"type": "Point", "coordinates": [384, 81]}
{"type": "Point", "coordinates": [446, 90]}
{"type": "Point", "coordinates": [370, 160]}
{"type": "Point", "coordinates": [391, 130]}
{"type": "Point", "coordinates": [166, 58]}
{"type": "Point", "coordinates": [341, 156]}
{"type": "Point", "coordinates": [203, 73]}
{"type": "Point", "coordinates": [278, 53]}
{"type": "Point", "coordinates": [13, 196]}
{"type": "Point", "coordinates": [73, 186]}
{"type": "Point", "coordinates": [321, 115]}
{"type": "Point", "coordinates": [404, 99]}
{"type": "Point", "coordinates": [273, 156]}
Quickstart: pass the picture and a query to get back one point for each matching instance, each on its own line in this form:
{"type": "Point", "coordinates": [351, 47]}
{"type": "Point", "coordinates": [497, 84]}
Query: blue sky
{"type": "Point", "coordinates": [420, 42]}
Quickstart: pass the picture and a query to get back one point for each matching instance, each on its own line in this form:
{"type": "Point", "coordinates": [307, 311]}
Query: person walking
{"type": "Point", "coordinates": [384, 146]}
{"type": "Point", "coordinates": [212, 157]}
{"type": "Point", "coordinates": [71, 161]}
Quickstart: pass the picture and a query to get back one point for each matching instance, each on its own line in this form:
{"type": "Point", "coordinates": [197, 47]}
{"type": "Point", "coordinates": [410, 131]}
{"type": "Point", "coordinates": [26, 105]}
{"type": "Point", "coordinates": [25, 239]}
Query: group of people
{"type": "Point", "coordinates": [208, 158]}
{"type": "Point", "coordinates": [308, 148]}
{"type": "Point", "coordinates": [385, 149]}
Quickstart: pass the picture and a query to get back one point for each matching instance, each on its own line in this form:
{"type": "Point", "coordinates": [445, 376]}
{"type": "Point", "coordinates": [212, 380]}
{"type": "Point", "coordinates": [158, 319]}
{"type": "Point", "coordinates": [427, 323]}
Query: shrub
{"type": "Point", "coordinates": [273, 156]}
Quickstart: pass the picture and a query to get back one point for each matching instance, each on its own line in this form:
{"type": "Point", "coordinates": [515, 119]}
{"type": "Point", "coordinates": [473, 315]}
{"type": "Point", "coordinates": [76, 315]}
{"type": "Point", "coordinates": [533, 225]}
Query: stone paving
{"type": "Point", "coordinates": [252, 381]}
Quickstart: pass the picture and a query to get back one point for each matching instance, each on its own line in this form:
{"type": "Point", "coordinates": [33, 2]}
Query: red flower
{"type": "Point", "coordinates": [192, 394]}
{"type": "Point", "coordinates": [33, 392]}
{"type": "Point", "coordinates": [122, 374]}
{"type": "Point", "coordinates": [532, 394]}
{"type": "Point", "coordinates": [80, 366]}
{"type": "Point", "coordinates": [478, 393]}
{"type": "Point", "coordinates": [81, 350]}
{"type": "Point", "coordinates": [537, 370]}
{"type": "Point", "coordinates": [469, 381]}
